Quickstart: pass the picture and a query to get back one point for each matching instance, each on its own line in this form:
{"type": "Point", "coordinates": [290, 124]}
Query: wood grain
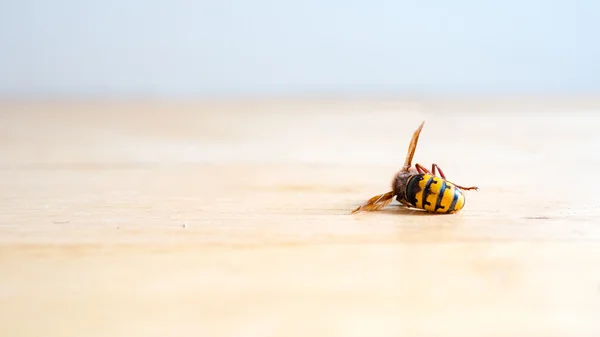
{"type": "Point", "coordinates": [232, 219]}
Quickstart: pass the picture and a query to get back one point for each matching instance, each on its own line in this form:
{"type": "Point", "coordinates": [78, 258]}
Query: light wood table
{"type": "Point", "coordinates": [232, 219]}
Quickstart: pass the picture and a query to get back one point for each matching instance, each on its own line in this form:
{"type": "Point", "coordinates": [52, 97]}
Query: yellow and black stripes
{"type": "Point", "coordinates": [434, 194]}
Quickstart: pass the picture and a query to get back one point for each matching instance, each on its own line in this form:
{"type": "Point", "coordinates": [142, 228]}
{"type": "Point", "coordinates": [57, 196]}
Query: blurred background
{"type": "Point", "coordinates": [260, 48]}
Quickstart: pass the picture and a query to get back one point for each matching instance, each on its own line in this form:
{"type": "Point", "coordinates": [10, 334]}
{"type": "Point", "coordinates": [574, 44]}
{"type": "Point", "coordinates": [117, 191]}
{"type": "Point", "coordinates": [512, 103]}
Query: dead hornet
{"type": "Point", "coordinates": [419, 188]}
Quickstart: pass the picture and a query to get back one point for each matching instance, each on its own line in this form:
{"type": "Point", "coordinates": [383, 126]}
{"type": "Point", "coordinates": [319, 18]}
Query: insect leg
{"type": "Point", "coordinates": [405, 203]}
{"type": "Point", "coordinates": [467, 188]}
{"type": "Point", "coordinates": [376, 203]}
{"type": "Point", "coordinates": [421, 169]}
{"type": "Point", "coordinates": [435, 166]}
{"type": "Point", "coordinates": [433, 169]}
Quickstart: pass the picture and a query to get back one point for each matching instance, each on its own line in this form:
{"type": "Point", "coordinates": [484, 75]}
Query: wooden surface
{"type": "Point", "coordinates": [232, 219]}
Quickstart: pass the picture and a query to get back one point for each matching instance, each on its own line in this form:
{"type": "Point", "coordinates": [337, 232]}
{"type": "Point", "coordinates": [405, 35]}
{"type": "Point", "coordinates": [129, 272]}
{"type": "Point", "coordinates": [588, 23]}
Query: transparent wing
{"type": "Point", "coordinates": [412, 147]}
{"type": "Point", "coordinates": [376, 203]}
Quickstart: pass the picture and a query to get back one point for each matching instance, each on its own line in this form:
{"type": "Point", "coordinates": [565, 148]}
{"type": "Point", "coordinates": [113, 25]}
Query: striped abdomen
{"type": "Point", "coordinates": [434, 194]}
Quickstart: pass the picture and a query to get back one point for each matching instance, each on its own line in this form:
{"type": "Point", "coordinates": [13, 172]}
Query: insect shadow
{"type": "Point", "coordinates": [402, 210]}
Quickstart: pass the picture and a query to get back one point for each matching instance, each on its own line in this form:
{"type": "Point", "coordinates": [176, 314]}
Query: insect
{"type": "Point", "coordinates": [420, 188]}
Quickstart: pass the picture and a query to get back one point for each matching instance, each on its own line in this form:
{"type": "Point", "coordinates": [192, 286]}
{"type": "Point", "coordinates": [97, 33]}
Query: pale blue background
{"type": "Point", "coordinates": [235, 47]}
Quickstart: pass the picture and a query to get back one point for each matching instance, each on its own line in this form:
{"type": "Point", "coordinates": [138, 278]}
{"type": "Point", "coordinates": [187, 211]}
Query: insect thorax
{"type": "Point", "coordinates": [400, 184]}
